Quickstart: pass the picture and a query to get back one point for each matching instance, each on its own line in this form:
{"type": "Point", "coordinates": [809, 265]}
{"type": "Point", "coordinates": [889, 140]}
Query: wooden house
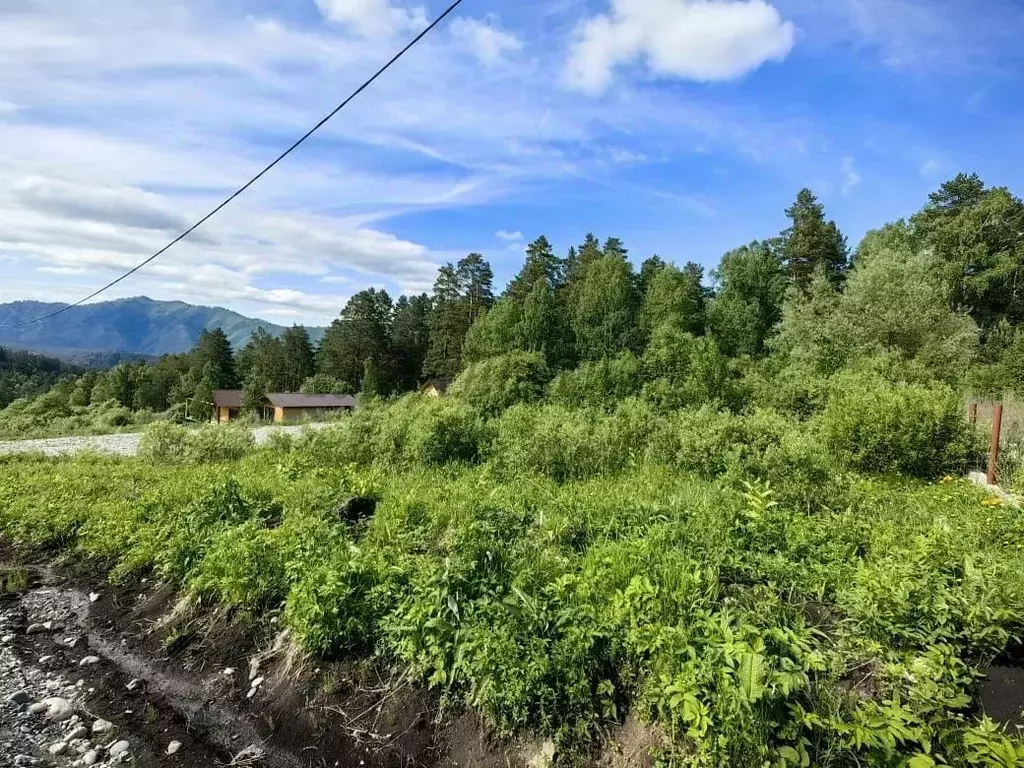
{"type": "Point", "coordinates": [227, 403]}
{"type": "Point", "coordinates": [283, 408]}
{"type": "Point", "coordinates": [291, 408]}
{"type": "Point", "coordinates": [435, 387]}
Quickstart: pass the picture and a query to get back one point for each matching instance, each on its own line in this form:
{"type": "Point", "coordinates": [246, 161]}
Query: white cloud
{"type": "Point", "coordinates": [485, 39]}
{"type": "Point", "coordinates": [851, 176]}
{"type": "Point", "coordinates": [702, 40]}
{"type": "Point", "coordinates": [509, 237]}
{"type": "Point", "coordinates": [372, 18]}
{"type": "Point", "coordinates": [934, 167]}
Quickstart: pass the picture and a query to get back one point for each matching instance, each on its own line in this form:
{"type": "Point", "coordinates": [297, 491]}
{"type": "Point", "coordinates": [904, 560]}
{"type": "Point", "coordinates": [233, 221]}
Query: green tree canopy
{"type": "Point", "coordinates": [751, 286]}
{"type": "Point", "coordinates": [362, 331]}
{"type": "Point", "coordinates": [604, 309]}
{"type": "Point", "coordinates": [811, 242]}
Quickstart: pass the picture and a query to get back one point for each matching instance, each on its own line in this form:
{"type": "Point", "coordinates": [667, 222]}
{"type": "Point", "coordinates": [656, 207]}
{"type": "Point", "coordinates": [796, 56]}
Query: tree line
{"type": "Point", "coordinates": [943, 289]}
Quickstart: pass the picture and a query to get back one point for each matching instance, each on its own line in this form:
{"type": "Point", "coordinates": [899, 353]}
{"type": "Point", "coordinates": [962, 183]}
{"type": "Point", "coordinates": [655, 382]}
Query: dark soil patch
{"type": "Point", "coordinates": [1002, 696]}
{"type": "Point", "coordinates": [357, 712]}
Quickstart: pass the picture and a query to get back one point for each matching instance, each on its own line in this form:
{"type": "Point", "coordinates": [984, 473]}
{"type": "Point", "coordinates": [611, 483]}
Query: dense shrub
{"type": "Point", "coordinates": [497, 383]}
{"type": "Point", "coordinates": [603, 383]}
{"type": "Point", "coordinates": [877, 426]}
{"type": "Point", "coordinates": [567, 443]}
{"type": "Point", "coordinates": [168, 443]}
{"type": "Point", "coordinates": [444, 432]}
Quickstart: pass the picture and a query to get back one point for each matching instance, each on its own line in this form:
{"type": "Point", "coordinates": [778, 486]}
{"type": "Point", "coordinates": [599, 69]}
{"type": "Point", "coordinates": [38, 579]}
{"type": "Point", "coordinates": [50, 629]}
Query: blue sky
{"type": "Point", "coordinates": [685, 127]}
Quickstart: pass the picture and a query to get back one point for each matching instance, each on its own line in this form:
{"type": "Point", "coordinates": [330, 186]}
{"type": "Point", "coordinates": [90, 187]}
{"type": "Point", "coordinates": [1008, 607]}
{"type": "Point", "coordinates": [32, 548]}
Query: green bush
{"type": "Point", "coordinates": [569, 444]}
{"type": "Point", "coordinates": [168, 443]}
{"type": "Point", "coordinates": [497, 383]}
{"type": "Point", "coordinates": [603, 383]}
{"type": "Point", "coordinates": [877, 426]}
{"type": "Point", "coordinates": [446, 431]}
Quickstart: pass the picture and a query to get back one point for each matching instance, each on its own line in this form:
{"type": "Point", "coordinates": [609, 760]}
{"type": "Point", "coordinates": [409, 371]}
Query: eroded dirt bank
{"type": "Point", "coordinates": [92, 674]}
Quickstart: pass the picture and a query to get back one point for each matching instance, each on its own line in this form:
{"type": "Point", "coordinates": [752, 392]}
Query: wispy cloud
{"type": "Point", "coordinates": [851, 176]}
{"type": "Point", "coordinates": [511, 237]}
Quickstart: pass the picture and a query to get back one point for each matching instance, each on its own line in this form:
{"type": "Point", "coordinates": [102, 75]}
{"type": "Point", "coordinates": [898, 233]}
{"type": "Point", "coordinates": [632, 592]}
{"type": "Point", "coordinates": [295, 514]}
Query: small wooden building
{"type": "Point", "coordinates": [435, 387]}
{"type": "Point", "coordinates": [290, 408]}
{"type": "Point", "coordinates": [228, 404]}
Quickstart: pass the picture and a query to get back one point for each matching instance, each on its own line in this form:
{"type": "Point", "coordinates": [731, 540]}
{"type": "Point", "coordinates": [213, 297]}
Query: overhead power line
{"type": "Point", "coordinates": [426, 31]}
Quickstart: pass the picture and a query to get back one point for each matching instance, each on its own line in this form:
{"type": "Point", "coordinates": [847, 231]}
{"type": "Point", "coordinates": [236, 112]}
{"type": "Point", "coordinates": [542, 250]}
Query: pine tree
{"type": "Point", "coordinates": [541, 264]}
{"type": "Point", "coordinates": [613, 247]}
{"type": "Point", "coordinates": [448, 326]}
{"type": "Point", "coordinates": [811, 241]}
{"type": "Point", "coordinates": [410, 340]}
{"type": "Point", "coordinates": [262, 359]}
{"type": "Point", "coordinates": [462, 295]}
{"type": "Point", "coordinates": [581, 258]}
{"type": "Point", "coordinates": [298, 358]}
{"type": "Point", "coordinates": [476, 280]}
{"type": "Point", "coordinates": [212, 356]}
{"type": "Point", "coordinates": [362, 331]}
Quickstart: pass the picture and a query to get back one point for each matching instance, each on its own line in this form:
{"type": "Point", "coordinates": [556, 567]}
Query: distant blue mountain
{"type": "Point", "coordinates": [137, 326]}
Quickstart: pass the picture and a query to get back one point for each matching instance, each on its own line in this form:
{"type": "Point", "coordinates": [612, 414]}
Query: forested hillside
{"type": "Point", "coordinates": [23, 374]}
{"type": "Point", "coordinates": [138, 325]}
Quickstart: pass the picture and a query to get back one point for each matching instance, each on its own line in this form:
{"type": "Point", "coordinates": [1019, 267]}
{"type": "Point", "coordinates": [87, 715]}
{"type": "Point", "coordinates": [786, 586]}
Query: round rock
{"type": "Point", "coordinates": [57, 709]}
{"type": "Point", "coordinates": [173, 747]}
{"type": "Point", "coordinates": [119, 748]}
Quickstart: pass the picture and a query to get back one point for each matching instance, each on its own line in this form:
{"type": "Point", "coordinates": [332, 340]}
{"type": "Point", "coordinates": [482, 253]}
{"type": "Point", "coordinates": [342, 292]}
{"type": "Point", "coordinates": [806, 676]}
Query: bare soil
{"type": "Point", "coordinates": [173, 671]}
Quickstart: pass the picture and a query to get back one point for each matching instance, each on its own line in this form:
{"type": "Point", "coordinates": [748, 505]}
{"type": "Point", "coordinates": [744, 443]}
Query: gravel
{"type": "Point", "coordinates": [120, 445]}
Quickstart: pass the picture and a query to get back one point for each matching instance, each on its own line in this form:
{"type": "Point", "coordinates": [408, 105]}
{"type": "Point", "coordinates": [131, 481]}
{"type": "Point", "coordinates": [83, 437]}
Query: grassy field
{"type": "Point", "coordinates": [740, 582]}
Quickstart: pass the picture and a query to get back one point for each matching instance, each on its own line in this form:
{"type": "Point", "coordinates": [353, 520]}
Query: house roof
{"type": "Point", "coordinates": [441, 385]}
{"type": "Point", "coordinates": [289, 400]}
{"type": "Point", "coordinates": [227, 398]}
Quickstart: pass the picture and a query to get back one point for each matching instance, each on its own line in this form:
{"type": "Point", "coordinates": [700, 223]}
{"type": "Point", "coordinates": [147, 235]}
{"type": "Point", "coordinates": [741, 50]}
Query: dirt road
{"type": "Point", "coordinates": [122, 445]}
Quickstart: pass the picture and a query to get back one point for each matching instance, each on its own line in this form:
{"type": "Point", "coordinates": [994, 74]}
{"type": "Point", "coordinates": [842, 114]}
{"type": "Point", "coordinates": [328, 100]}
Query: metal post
{"type": "Point", "coordinates": [993, 454]}
{"type": "Point", "coordinates": [972, 413]}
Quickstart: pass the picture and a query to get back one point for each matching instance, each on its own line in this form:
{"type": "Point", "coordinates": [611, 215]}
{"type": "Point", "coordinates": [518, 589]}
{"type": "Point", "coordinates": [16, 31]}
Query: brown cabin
{"type": "Point", "coordinates": [435, 387]}
{"type": "Point", "coordinates": [283, 407]}
{"type": "Point", "coordinates": [296, 407]}
{"type": "Point", "coordinates": [227, 403]}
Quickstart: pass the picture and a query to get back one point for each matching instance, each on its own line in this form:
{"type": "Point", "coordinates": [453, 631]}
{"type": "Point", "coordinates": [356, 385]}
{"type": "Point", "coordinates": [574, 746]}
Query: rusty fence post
{"type": "Point", "coordinates": [993, 454]}
{"type": "Point", "coordinates": [972, 413]}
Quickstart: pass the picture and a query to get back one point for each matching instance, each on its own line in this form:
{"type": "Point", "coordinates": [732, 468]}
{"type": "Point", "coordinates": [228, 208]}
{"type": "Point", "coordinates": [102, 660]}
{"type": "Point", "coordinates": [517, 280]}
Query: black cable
{"type": "Point", "coordinates": [451, 8]}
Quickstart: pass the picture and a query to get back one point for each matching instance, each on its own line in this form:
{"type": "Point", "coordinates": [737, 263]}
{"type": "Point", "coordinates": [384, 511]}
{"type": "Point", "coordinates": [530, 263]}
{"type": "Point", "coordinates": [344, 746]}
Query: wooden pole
{"type": "Point", "coordinates": [993, 453]}
{"type": "Point", "coordinates": [972, 413]}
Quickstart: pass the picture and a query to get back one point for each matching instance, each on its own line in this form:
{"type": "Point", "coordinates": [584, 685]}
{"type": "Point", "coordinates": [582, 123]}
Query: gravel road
{"type": "Point", "coordinates": [122, 445]}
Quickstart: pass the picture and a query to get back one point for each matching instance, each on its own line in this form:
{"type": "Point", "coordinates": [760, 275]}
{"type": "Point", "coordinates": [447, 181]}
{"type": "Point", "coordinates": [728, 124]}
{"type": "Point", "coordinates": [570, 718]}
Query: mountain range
{"type": "Point", "coordinates": [135, 326]}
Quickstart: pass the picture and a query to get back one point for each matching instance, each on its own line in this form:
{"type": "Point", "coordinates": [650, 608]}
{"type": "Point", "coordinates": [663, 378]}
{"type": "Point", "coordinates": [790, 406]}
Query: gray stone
{"type": "Point", "coordinates": [38, 708]}
{"type": "Point", "coordinates": [119, 748]}
{"type": "Point", "coordinates": [19, 697]}
{"type": "Point", "coordinates": [91, 757]}
{"type": "Point", "coordinates": [173, 747]}
{"type": "Point", "coordinates": [57, 709]}
{"type": "Point", "coordinates": [88, 661]}
{"type": "Point", "coordinates": [80, 732]}
{"type": "Point", "coordinates": [102, 726]}
{"type": "Point", "coordinates": [36, 629]}
{"type": "Point", "coordinates": [58, 749]}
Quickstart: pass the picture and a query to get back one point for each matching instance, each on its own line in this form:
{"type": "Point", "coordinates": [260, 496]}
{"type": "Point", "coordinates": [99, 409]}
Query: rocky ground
{"type": "Point", "coordinates": [121, 445]}
{"type": "Point", "coordinates": [97, 675]}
